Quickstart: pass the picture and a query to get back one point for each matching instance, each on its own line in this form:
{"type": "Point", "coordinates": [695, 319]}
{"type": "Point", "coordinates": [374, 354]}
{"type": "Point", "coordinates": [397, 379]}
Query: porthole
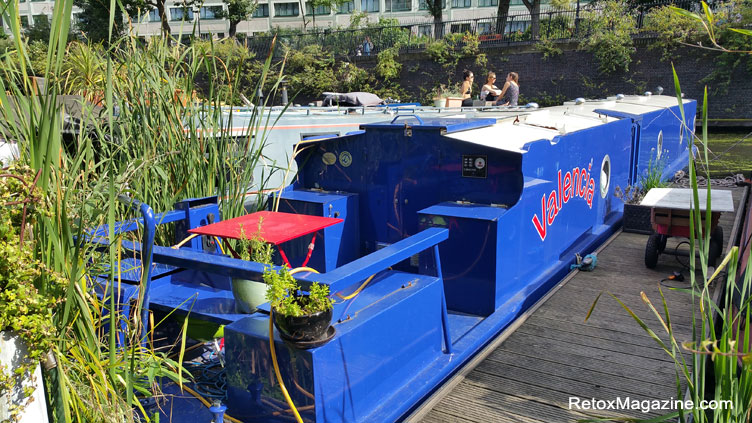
{"type": "Point", "coordinates": [605, 176]}
{"type": "Point", "coordinates": [659, 147]}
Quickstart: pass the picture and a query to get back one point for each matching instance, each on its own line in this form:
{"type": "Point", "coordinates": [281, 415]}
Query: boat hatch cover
{"type": "Point", "coordinates": [619, 114]}
{"type": "Point", "coordinates": [445, 125]}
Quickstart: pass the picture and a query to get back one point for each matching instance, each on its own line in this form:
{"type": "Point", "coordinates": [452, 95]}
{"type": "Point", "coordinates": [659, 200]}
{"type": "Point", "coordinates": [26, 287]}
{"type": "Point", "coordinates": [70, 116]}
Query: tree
{"type": "Point", "coordinates": [136, 8]}
{"type": "Point", "coordinates": [94, 20]}
{"type": "Point", "coordinates": [533, 6]}
{"type": "Point", "coordinates": [436, 9]}
{"type": "Point", "coordinates": [238, 11]}
{"type": "Point", "coordinates": [40, 31]}
{"type": "Point", "coordinates": [502, 12]}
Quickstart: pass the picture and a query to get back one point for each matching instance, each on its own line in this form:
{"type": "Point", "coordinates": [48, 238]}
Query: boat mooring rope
{"type": "Point", "coordinates": [681, 179]}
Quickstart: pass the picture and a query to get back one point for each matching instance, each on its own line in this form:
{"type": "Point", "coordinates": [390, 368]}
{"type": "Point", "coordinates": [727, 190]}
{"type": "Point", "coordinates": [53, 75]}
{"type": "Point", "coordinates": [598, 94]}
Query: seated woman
{"type": "Point", "coordinates": [467, 88]}
{"type": "Point", "coordinates": [490, 92]}
{"type": "Point", "coordinates": [511, 91]}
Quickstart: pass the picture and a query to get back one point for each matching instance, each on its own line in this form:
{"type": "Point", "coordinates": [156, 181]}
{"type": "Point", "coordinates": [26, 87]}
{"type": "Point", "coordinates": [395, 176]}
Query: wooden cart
{"type": "Point", "coordinates": [669, 216]}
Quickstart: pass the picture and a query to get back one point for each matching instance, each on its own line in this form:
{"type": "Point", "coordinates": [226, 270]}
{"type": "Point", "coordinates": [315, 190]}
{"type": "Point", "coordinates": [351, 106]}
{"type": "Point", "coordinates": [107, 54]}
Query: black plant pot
{"type": "Point", "coordinates": [637, 219]}
{"type": "Point", "coordinates": [310, 328]}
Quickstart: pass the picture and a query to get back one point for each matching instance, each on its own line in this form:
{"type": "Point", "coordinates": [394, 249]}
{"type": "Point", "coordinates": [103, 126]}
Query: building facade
{"type": "Point", "coordinates": [207, 20]}
{"type": "Point", "coordinates": [32, 10]}
{"type": "Point", "coordinates": [271, 14]}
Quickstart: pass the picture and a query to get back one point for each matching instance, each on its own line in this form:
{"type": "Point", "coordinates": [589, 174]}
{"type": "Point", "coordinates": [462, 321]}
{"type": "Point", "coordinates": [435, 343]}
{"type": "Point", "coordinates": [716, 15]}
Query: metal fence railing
{"type": "Point", "coordinates": [552, 24]}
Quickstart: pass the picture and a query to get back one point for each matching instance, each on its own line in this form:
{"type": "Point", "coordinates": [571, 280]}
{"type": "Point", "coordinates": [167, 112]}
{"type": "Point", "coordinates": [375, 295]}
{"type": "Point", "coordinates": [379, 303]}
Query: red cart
{"type": "Point", "coordinates": [669, 215]}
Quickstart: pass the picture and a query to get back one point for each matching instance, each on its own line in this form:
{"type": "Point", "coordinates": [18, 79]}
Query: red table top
{"type": "Point", "coordinates": [276, 227]}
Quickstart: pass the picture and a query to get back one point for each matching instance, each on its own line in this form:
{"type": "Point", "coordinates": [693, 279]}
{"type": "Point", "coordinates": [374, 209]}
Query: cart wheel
{"type": "Point", "coordinates": [662, 243]}
{"type": "Point", "coordinates": [716, 246]}
{"type": "Point", "coordinates": [652, 251]}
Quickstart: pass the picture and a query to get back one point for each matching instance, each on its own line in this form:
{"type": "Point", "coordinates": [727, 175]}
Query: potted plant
{"type": "Point", "coordinates": [444, 96]}
{"type": "Point", "coordinates": [249, 294]}
{"type": "Point", "coordinates": [302, 319]}
{"type": "Point", "coordinates": [636, 216]}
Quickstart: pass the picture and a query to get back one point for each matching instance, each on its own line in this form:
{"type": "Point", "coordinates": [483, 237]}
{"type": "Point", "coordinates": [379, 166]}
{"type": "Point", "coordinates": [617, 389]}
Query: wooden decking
{"type": "Point", "coordinates": [532, 370]}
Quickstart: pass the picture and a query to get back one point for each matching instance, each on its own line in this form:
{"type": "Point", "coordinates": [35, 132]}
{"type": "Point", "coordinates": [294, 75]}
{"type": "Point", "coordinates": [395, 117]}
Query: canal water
{"type": "Point", "coordinates": [731, 151]}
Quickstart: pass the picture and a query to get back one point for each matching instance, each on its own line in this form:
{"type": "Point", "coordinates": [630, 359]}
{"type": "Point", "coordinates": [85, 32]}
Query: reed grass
{"type": "Point", "coordinates": [716, 364]}
{"type": "Point", "coordinates": [151, 141]}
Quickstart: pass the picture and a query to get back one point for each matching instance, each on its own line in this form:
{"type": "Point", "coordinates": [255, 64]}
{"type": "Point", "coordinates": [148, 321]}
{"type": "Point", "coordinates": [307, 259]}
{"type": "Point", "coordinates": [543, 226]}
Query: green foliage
{"type": "Point", "coordinates": [561, 4]}
{"type": "Point", "coordinates": [548, 48]}
{"type": "Point", "coordinates": [37, 64]}
{"type": "Point", "coordinates": [610, 36]}
{"type": "Point", "coordinates": [282, 294]}
{"type": "Point", "coordinates": [5, 44]}
{"type": "Point", "coordinates": [726, 63]}
{"type": "Point", "coordinates": [441, 91]}
{"type": "Point", "coordinates": [439, 51]}
{"type": "Point", "coordinates": [40, 31]}
{"type": "Point", "coordinates": [449, 50]}
{"type": "Point", "coordinates": [84, 70]}
{"type": "Point", "coordinates": [357, 18]}
{"type": "Point", "coordinates": [94, 20]}
{"type": "Point", "coordinates": [724, 27]}
{"type": "Point", "coordinates": [146, 144]}
{"type": "Point", "coordinates": [228, 64]}
{"type": "Point", "coordinates": [25, 310]}
{"type": "Point", "coordinates": [544, 99]}
{"type": "Point", "coordinates": [470, 44]}
{"type": "Point", "coordinates": [671, 29]}
{"type": "Point", "coordinates": [352, 78]}
{"type": "Point", "coordinates": [651, 177]}
{"type": "Point", "coordinates": [388, 67]}
{"type": "Point", "coordinates": [254, 248]}
{"type": "Point", "coordinates": [393, 91]}
{"type": "Point", "coordinates": [311, 70]}
{"type": "Point", "coordinates": [557, 27]}
{"type": "Point", "coordinates": [387, 33]}
{"type": "Point", "coordinates": [481, 61]}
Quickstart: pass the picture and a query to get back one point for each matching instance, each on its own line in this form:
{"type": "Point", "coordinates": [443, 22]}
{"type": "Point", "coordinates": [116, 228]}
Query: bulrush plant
{"type": "Point", "coordinates": [144, 143]}
{"type": "Point", "coordinates": [716, 364]}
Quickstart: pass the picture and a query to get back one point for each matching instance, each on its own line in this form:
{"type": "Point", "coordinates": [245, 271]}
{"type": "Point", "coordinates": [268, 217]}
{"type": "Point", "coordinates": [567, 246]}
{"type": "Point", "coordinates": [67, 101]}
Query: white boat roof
{"type": "Point", "coordinates": [513, 133]}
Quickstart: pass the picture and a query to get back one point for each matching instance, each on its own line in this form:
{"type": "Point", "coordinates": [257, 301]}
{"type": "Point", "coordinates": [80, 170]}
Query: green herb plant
{"type": "Point", "coordinates": [283, 294]}
{"type": "Point", "coordinates": [255, 248]}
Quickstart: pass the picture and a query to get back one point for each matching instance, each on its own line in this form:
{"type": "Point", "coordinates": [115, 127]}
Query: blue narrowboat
{"type": "Point", "coordinates": [460, 223]}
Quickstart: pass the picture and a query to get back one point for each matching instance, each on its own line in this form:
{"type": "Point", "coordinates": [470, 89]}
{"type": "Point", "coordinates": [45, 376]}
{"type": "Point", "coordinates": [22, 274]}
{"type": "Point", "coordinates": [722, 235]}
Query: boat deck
{"type": "Point", "coordinates": [530, 371]}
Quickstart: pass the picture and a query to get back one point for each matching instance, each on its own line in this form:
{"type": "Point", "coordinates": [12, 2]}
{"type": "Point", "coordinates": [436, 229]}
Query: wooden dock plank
{"type": "Point", "coordinates": [555, 354]}
{"type": "Point", "coordinates": [566, 359]}
{"type": "Point", "coordinates": [577, 340]}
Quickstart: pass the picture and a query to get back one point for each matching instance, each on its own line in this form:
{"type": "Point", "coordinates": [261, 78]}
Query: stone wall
{"type": "Point", "coordinates": [575, 74]}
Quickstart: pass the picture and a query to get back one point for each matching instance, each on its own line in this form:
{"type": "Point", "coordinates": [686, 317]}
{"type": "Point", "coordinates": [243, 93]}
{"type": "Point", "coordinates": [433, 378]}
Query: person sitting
{"type": "Point", "coordinates": [511, 91]}
{"type": "Point", "coordinates": [490, 92]}
{"type": "Point", "coordinates": [467, 88]}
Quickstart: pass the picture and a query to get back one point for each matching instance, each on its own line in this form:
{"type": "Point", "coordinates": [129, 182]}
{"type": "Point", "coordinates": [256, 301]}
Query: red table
{"type": "Point", "coordinates": [276, 228]}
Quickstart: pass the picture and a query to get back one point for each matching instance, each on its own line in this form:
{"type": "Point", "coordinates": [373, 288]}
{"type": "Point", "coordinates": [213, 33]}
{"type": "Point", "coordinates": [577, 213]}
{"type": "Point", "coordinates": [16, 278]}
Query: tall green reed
{"type": "Point", "coordinates": [716, 364]}
{"type": "Point", "coordinates": [144, 143]}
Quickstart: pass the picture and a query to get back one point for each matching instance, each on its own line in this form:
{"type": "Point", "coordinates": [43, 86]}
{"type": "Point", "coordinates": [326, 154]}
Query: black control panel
{"type": "Point", "coordinates": [474, 166]}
